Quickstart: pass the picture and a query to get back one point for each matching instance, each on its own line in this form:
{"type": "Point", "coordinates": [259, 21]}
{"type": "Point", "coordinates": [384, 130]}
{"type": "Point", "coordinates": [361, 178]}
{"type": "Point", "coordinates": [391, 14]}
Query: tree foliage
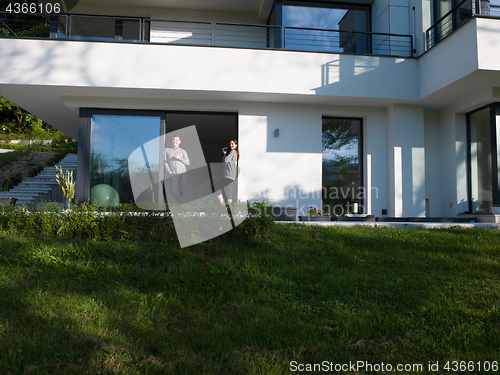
{"type": "Point", "coordinates": [23, 24]}
{"type": "Point", "coordinates": [341, 167]}
{"type": "Point", "coordinates": [337, 133]}
{"type": "Point", "coordinates": [14, 119]}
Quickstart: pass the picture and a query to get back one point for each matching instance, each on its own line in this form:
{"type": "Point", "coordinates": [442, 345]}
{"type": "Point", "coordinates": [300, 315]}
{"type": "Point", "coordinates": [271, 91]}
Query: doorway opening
{"type": "Point", "coordinates": [214, 131]}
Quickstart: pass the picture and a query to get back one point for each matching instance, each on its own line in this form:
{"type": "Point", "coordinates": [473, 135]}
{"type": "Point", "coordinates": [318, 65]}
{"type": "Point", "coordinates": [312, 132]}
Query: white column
{"type": "Point", "coordinates": [406, 161]}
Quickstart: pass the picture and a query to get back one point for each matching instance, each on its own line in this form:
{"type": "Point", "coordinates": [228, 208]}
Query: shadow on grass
{"type": "Point", "coordinates": [247, 306]}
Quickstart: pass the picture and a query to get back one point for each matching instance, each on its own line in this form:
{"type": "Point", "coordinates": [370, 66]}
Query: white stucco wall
{"type": "Point", "coordinates": [461, 203]}
{"type": "Point", "coordinates": [91, 64]}
{"type": "Point", "coordinates": [286, 169]}
{"type": "Point", "coordinates": [406, 148]}
{"type": "Point", "coordinates": [448, 120]}
{"type": "Point", "coordinates": [452, 59]}
{"type": "Point", "coordinates": [376, 159]}
{"type": "Point", "coordinates": [391, 16]}
{"type": "Point", "coordinates": [488, 40]}
{"type": "Point", "coordinates": [432, 164]}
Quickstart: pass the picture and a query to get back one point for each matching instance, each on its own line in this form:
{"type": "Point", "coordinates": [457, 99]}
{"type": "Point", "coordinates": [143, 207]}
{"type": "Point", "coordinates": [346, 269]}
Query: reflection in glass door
{"type": "Point", "coordinates": [481, 171]}
{"type": "Point", "coordinates": [342, 185]}
{"type": "Point", "coordinates": [114, 138]}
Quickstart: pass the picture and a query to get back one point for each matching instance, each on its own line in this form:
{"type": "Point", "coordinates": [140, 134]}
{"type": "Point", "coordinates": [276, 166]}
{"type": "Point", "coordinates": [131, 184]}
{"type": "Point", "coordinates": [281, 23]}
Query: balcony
{"type": "Point", "coordinates": [457, 17]}
{"type": "Point", "coordinates": [199, 33]}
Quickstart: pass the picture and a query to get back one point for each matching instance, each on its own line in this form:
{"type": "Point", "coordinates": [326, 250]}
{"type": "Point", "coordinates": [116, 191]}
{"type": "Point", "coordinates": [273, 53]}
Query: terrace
{"type": "Point", "coordinates": [200, 33]}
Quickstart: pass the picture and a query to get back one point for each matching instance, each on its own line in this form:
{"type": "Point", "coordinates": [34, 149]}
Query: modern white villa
{"type": "Point", "coordinates": [389, 107]}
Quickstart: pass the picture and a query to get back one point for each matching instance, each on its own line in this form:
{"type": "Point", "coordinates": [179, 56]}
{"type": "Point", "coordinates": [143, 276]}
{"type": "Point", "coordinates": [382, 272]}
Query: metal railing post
{"type": "Point", "coordinates": [282, 37]}
{"type": "Point", "coordinates": [66, 25]}
{"type": "Point", "coordinates": [69, 27]}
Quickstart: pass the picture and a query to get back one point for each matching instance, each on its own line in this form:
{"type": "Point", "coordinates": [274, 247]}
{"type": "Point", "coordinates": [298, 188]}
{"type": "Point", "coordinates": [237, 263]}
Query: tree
{"type": "Point", "coordinates": [16, 120]}
{"type": "Point", "coordinates": [23, 23]}
{"type": "Point", "coordinates": [24, 121]}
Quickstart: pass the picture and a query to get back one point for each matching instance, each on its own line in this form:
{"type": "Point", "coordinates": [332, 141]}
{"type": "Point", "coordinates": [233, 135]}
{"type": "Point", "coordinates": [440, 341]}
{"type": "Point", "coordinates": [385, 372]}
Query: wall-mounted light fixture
{"type": "Point", "coordinates": [277, 133]}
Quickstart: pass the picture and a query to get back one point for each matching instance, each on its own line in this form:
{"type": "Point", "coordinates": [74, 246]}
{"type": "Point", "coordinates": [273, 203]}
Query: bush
{"type": "Point", "coordinates": [65, 149]}
{"type": "Point", "coordinates": [124, 221]}
{"type": "Point", "coordinates": [9, 182]}
{"type": "Point", "coordinates": [33, 172]}
{"type": "Point", "coordinates": [260, 220]}
{"type": "Point", "coordinates": [56, 159]}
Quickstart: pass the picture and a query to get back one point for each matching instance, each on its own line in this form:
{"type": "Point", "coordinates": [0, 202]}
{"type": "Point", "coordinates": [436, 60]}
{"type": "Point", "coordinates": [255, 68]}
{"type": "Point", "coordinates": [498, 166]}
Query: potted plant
{"type": "Point", "coordinates": [314, 214]}
{"type": "Point", "coordinates": [67, 184]}
{"type": "Point", "coordinates": [6, 182]}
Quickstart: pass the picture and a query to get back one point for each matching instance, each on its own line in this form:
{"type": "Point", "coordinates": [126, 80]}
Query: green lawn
{"type": "Point", "coordinates": [247, 306]}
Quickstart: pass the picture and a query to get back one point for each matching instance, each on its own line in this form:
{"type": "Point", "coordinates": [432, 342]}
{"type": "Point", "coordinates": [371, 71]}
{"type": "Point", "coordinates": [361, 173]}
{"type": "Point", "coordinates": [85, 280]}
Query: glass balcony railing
{"type": "Point", "coordinates": [199, 33]}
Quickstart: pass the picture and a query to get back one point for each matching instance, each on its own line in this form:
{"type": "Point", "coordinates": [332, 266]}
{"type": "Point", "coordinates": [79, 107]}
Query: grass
{"type": "Point", "coordinates": [8, 158]}
{"type": "Point", "coordinates": [246, 306]}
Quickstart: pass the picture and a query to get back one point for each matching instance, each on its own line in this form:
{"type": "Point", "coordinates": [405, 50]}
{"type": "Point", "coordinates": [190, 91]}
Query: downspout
{"type": "Point", "coordinates": [413, 34]}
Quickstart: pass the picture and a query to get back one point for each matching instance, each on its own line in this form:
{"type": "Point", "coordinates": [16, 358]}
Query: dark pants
{"type": "Point", "coordinates": [222, 184]}
{"type": "Point", "coordinates": [178, 183]}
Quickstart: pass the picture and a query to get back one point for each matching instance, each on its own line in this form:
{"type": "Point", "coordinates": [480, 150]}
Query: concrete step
{"type": "Point", "coordinates": [47, 170]}
{"type": "Point", "coordinates": [40, 182]}
{"type": "Point", "coordinates": [37, 198]}
{"type": "Point", "coordinates": [44, 186]}
{"type": "Point", "coordinates": [28, 190]}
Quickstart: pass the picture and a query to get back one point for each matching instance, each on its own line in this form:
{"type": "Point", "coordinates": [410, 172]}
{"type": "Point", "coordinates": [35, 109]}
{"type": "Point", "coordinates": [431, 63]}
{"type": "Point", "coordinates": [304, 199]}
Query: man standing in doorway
{"type": "Point", "coordinates": [176, 159]}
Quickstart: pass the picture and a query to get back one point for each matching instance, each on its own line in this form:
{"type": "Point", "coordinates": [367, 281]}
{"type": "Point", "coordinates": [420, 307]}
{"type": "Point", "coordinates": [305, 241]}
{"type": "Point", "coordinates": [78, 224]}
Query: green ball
{"type": "Point", "coordinates": [104, 195]}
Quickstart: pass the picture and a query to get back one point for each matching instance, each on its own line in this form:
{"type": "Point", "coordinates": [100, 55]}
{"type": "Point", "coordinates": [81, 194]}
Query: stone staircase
{"type": "Point", "coordinates": [43, 187]}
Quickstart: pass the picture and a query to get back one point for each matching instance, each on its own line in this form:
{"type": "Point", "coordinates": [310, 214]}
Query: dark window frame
{"type": "Point", "coordinates": [360, 155]}
{"type": "Point", "coordinates": [85, 137]}
{"type": "Point", "coordinates": [329, 4]}
{"type": "Point", "coordinates": [85, 142]}
{"type": "Point", "coordinates": [495, 150]}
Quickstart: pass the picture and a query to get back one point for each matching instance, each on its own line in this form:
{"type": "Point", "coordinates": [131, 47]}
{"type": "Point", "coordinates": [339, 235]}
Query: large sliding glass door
{"type": "Point", "coordinates": [119, 145]}
{"type": "Point", "coordinates": [114, 138]}
{"type": "Point", "coordinates": [481, 161]}
{"type": "Point", "coordinates": [483, 158]}
{"type": "Point", "coordinates": [106, 139]}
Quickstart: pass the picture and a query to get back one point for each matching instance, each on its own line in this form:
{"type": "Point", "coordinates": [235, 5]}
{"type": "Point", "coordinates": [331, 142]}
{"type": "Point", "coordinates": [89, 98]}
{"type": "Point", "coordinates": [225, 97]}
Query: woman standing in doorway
{"type": "Point", "coordinates": [230, 159]}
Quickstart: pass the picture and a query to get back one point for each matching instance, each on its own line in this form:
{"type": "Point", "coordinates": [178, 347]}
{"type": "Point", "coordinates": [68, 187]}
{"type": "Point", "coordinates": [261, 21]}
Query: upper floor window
{"type": "Point", "coordinates": [441, 7]}
{"type": "Point", "coordinates": [448, 16]}
{"type": "Point", "coordinates": [326, 26]}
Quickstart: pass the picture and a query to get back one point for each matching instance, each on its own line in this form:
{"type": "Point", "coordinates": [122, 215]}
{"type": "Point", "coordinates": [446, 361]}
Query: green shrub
{"type": "Point", "coordinates": [260, 220]}
{"type": "Point", "coordinates": [56, 159]}
{"type": "Point", "coordinates": [98, 223]}
{"type": "Point", "coordinates": [17, 179]}
{"type": "Point", "coordinates": [9, 181]}
{"type": "Point", "coordinates": [65, 150]}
